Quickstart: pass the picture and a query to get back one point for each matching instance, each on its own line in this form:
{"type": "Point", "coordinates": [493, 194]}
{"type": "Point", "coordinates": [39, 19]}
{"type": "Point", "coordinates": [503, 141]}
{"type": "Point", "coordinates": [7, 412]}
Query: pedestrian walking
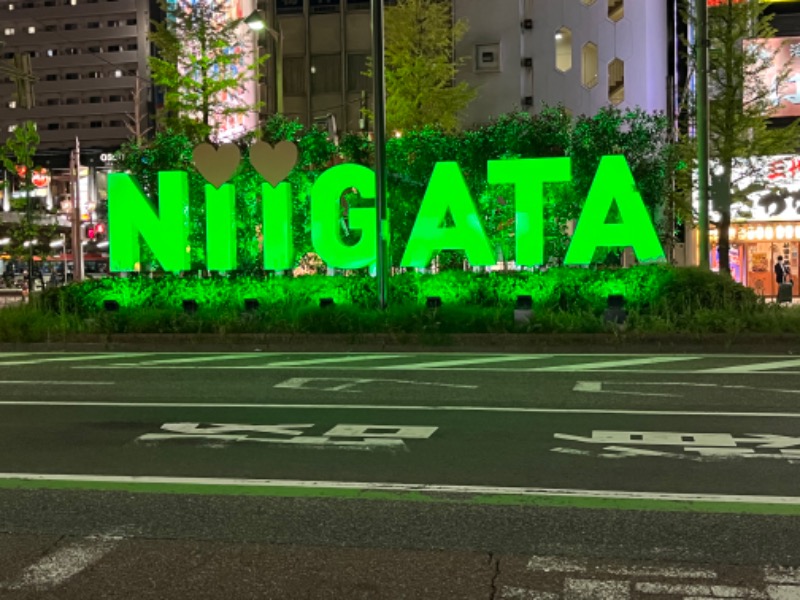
{"type": "Point", "coordinates": [783, 277]}
{"type": "Point", "coordinates": [780, 273]}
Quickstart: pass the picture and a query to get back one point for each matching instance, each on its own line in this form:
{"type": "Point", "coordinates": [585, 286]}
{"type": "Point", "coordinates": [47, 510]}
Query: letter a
{"type": "Point", "coordinates": [614, 181]}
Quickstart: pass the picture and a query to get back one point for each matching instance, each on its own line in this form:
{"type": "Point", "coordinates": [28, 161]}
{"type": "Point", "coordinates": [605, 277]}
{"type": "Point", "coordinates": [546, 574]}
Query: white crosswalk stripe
{"type": "Point", "coordinates": [767, 366]}
{"type": "Point", "coordinates": [464, 362]}
{"type": "Point", "coordinates": [614, 364]}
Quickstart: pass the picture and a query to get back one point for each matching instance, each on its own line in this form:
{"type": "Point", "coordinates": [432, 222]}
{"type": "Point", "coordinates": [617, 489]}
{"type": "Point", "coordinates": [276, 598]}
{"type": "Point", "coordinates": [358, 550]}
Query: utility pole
{"type": "Point", "coordinates": [77, 230]}
{"type": "Point", "coordinates": [379, 89]}
{"type": "Point", "coordinates": [701, 17]}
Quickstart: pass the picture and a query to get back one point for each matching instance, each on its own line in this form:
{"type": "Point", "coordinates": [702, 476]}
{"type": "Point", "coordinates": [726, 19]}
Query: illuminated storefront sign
{"type": "Point", "coordinates": [166, 232]}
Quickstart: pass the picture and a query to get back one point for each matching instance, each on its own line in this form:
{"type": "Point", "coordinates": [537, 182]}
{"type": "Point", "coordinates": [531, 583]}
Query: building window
{"type": "Point", "coordinates": [116, 124]}
{"type": "Point", "coordinates": [8, 31]}
{"type": "Point", "coordinates": [563, 40]}
{"type": "Point", "coordinates": [70, 27]}
{"type": "Point", "coordinates": [95, 49]}
{"type": "Point", "coordinates": [115, 98]}
{"type": "Point", "coordinates": [133, 47]}
{"type": "Point", "coordinates": [96, 124]}
{"type": "Point", "coordinates": [52, 126]}
{"type": "Point", "coordinates": [50, 28]}
{"type": "Point", "coordinates": [53, 102]}
{"type": "Point", "coordinates": [356, 66]}
{"type": "Point", "coordinates": [31, 29]}
{"type": "Point", "coordinates": [51, 77]}
{"type": "Point", "coordinates": [487, 58]}
{"type": "Point", "coordinates": [52, 52]}
{"type": "Point", "coordinates": [294, 80]}
{"type": "Point", "coordinates": [71, 76]}
{"type": "Point", "coordinates": [73, 125]}
{"type": "Point", "coordinates": [326, 74]}
{"type": "Point", "coordinates": [93, 25]}
{"type": "Point", "coordinates": [130, 22]}
{"type": "Point", "coordinates": [616, 10]}
{"type": "Point", "coordinates": [616, 81]}
{"type": "Point", "coordinates": [72, 101]}
{"type": "Point", "coordinates": [589, 65]}
{"type": "Point", "coordinates": [95, 100]}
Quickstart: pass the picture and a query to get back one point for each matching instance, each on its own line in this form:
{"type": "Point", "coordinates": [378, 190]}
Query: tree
{"type": "Point", "coordinates": [741, 104]}
{"type": "Point", "coordinates": [420, 66]}
{"type": "Point", "coordinates": [31, 233]}
{"type": "Point", "coordinates": [201, 67]}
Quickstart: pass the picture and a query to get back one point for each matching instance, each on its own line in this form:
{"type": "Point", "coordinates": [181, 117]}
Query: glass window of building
{"type": "Point", "coordinates": [356, 67]}
{"type": "Point", "coordinates": [326, 74]}
{"type": "Point", "coordinates": [616, 81]}
{"type": "Point", "coordinates": [616, 10]}
{"type": "Point", "coordinates": [294, 78]}
{"type": "Point", "coordinates": [563, 40]}
{"type": "Point", "coordinates": [589, 65]}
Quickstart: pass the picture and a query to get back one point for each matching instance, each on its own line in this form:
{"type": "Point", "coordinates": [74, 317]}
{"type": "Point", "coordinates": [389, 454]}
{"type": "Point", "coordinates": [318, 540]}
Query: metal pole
{"type": "Point", "coordinates": [77, 238]}
{"type": "Point", "coordinates": [278, 38]}
{"type": "Point", "coordinates": [380, 149]}
{"type": "Point", "coordinates": [701, 14]}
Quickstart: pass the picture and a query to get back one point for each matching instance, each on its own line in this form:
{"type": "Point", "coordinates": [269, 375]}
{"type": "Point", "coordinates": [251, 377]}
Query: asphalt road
{"type": "Point", "coordinates": [381, 475]}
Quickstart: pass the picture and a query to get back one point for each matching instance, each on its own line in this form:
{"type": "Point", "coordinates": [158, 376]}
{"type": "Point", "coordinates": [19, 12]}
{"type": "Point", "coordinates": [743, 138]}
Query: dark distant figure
{"type": "Point", "coordinates": [780, 273]}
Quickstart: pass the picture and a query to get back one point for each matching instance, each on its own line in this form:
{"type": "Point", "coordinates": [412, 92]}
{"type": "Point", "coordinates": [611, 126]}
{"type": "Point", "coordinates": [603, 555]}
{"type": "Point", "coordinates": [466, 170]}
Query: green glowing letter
{"type": "Point", "coordinates": [220, 228]}
{"type": "Point", "coordinates": [528, 176]}
{"type": "Point", "coordinates": [447, 190]}
{"type": "Point", "coordinates": [614, 181]}
{"type": "Point", "coordinates": [277, 231]}
{"type": "Point", "coordinates": [130, 213]}
{"type": "Point", "coordinates": [326, 225]}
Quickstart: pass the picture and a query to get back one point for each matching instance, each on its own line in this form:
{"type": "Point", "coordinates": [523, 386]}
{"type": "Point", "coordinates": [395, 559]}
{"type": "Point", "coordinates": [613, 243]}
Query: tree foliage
{"type": "Point", "coordinates": [200, 67]}
{"type": "Point", "coordinates": [741, 105]}
{"type": "Point", "coordinates": [31, 233]}
{"type": "Point", "coordinates": [421, 67]}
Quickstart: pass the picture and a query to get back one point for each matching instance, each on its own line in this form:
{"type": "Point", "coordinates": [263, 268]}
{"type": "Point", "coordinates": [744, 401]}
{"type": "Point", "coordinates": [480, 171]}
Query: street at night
{"type": "Point", "coordinates": [460, 475]}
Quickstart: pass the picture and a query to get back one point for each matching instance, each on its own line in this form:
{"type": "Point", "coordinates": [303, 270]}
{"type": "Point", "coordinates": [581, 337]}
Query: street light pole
{"type": "Point", "coordinates": [701, 18]}
{"type": "Point", "coordinates": [77, 238]}
{"type": "Point", "coordinates": [380, 150]}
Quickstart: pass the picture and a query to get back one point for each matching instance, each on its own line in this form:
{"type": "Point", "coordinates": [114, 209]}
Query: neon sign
{"type": "Point", "coordinates": [131, 216]}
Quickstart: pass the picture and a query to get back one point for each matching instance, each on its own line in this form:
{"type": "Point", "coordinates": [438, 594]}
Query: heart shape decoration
{"type": "Point", "coordinates": [273, 164]}
{"type": "Point", "coordinates": [217, 165]}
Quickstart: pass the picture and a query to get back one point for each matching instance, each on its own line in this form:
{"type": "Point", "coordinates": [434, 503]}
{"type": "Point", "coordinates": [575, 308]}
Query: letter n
{"type": "Point", "coordinates": [131, 215]}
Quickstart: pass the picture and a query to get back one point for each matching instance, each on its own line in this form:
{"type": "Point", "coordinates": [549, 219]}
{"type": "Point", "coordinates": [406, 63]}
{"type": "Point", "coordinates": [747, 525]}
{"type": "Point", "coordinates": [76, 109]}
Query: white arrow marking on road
{"type": "Point", "coordinates": [597, 387]}
{"type": "Point", "coordinates": [222, 428]}
{"type": "Point", "coordinates": [310, 441]}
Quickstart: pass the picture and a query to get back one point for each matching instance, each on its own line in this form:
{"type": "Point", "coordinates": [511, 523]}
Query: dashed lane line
{"type": "Point", "coordinates": [198, 359]}
{"type": "Point", "coordinates": [63, 564]}
{"type": "Point", "coordinates": [628, 362]}
{"type": "Point", "coordinates": [753, 368]}
{"type": "Point", "coordinates": [82, 358]}
{"type": "Point", "coordinates": [323, 361]}
{"type": "Point", "coordinates": [482, 360]}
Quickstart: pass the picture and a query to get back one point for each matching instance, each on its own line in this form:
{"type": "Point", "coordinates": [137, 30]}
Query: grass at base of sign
{"type": "Point", "coordinates": [488, 499]}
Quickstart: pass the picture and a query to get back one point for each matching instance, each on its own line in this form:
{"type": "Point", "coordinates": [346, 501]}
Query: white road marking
{"type": "Point", "coordinates": [595, 589]}
{"type": "Point", "coordinates": [20, 382]}
{"type": "Point", "coordinates": [782, 592]}
{"type": "Point", "coordinates": [300, 383]}
{"type": "Point", "coordinates": [73, 358]}
{"type": "Point", "coordinates": [596, 387]}
{"type": "Point", "coordinates": [198, 358]}
{"type": "Point", "coordinates": [410, 407]}
{"type": "Point", "coordinates": [481, 360]}
{"type": "Point", "coordinates": [66, 562]}
{"type": "Point", "coordinates": [782, 575]}
{"type": "Point", "coordinates": [517, 593]}
{"type": "Point", "coordinates": [628, 362]}
{"type": "Point", "coordinates": [709, 591]}
{"type": "Point", "coordinates": [754, 368]}
{"type": "Point", "coordinates": [325, 361]}
{"type": "Point", "coordinates": [572, 565]}
{"type": "Point", "coordinates": [407, 487]}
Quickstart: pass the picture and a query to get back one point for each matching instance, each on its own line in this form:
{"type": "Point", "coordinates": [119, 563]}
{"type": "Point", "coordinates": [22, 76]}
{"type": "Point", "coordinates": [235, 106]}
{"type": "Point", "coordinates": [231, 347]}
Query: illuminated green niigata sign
{"type": "Point", "coordinates": [132, 217]}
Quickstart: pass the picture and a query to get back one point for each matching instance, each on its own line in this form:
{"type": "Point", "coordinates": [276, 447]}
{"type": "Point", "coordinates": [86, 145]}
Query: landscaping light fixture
{"type": "Point", "coordinates": [615, 313]}
{"type": "Point", "coordinates": [190, 307]}
{"type": "Point", "coordinates": [326, 303]}
{"type": "Point", "coordinates": [5, 241]}
{"type": "Point", "coordinates": [433, 302]}
{"type": "Point", "coordinates": [523, 310]}
{"type": "Point", "coordinates": [110, 305]}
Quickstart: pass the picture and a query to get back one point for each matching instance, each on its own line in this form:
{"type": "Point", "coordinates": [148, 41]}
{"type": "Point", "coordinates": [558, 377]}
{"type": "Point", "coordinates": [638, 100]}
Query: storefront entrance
{"type": "Point", "coordinates": [760, 262]}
